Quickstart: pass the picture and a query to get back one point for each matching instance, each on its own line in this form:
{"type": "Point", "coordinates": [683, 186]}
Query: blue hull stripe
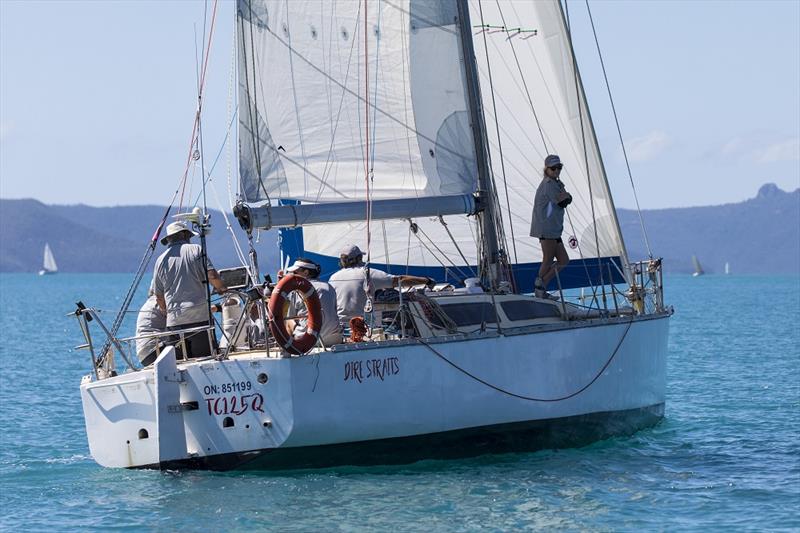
{"type": "Point", "coordinates": [579, 272]}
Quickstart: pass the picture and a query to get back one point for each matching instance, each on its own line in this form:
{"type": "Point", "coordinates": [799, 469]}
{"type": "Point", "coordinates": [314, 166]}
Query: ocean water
{"type": "Point", "coordinates": [727, 455]}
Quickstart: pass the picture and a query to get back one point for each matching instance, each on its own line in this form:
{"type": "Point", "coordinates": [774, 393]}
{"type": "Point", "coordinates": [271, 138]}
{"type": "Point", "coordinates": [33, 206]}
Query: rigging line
{"type": "Point", "coordinates": [361, 99]}
{"type": "Point", "coordinates": [406, 97]}
{"type": "Point", "coordinates": [386, 248]}
{"type": "Point", "coordinates": [519, 67]}
{"type": "Point", "coordinates": [583, 134]}
{"type": "Point", "coordinates": [219, 154]}
{"type": "Point", "coordinates": [448, 271]}
{"type": "Point", "coordinates": [433, 243]}
{"type": "Point", "coordinates": [530, 398]}
{"type": "Point", "coordinates": [499, 143]}
{"type": "Point", "coordinates": [297, 164]}
{"type": "Point", "coordinates": [237, 247]}
{"type": "Point", "coordinates": [366, 128]}
{"type": "Point", "coordinates": [252, 110]}
{"type": "Point", "coordinates": [458, 248]}
{"type": "Point", "coordinates": [233, 112]}
{"type": "Point", "coordinates": [619, 131]}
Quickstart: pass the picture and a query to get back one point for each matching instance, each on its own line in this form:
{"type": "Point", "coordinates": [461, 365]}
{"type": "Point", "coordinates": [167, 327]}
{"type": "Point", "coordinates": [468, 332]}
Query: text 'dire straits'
{"type": "Point", "coordinates": [375, 369]}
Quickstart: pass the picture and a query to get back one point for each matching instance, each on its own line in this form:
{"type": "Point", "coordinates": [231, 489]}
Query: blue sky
{"type": "Point", "coordinates": [97, 98]}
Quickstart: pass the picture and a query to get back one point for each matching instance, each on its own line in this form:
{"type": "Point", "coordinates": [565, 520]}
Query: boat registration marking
{"type": "Point", "coordinates": [225, 388]}
{"type": "Point", "coordinates": [235, 404]}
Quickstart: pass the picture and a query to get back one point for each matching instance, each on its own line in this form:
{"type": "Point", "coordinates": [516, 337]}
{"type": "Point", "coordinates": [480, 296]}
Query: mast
{"type": "Point", "coordinates": [486, 216]}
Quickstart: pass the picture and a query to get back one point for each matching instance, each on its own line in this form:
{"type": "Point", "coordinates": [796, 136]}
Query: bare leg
{"type": "Point", "coordinates": [548, 253]}
{"type": "Point", "coordinates": [550, 249]}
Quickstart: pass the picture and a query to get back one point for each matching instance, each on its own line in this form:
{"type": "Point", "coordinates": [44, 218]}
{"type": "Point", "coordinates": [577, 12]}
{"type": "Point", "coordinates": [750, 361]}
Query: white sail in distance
{"type": "Point", "coordinates": [49, 264]}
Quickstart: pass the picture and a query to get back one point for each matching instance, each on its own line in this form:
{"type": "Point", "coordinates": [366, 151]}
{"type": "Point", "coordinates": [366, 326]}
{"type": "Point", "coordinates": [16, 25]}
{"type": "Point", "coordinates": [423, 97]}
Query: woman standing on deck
{"type": "Point", "coordinates": [547, 223]}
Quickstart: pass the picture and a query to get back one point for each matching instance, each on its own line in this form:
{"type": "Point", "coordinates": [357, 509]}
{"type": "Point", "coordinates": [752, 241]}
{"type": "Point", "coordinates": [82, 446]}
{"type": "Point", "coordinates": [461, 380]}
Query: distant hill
{"type": "Point", "coordinates": [757, 236]}
{"type": "Point", "coordinates": [102, 239]}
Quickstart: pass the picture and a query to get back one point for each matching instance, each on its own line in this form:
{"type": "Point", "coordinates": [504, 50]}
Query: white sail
{"type": "Point", "coordinates": [546, 76]}
{"type": "Point", "coordinates": [49, 260]}
{"type": "Point", "coordinates": [698, 269]}
{"type": "Point", "coordinates": [320, 96]}
{"type": "Point", "coordinates": [309, 107]}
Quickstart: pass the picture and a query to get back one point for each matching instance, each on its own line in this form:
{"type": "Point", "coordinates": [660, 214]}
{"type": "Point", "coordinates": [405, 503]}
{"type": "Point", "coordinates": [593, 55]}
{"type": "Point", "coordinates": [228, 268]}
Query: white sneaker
{"type": "Point", "coordinates": [544, 295]}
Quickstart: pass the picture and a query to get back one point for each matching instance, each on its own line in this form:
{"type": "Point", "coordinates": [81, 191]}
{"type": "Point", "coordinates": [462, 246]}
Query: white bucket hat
{"type": "Point", "coordinates": [174, 228]}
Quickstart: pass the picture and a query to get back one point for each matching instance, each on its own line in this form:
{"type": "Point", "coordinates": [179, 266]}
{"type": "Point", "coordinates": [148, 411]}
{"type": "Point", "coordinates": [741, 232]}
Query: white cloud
{"type": "Point", "coordinates": [734, 146]}
{"type": "Point", "coordinates": [788, 150]}
{"type": "Point", "coordinates": [648, 146]}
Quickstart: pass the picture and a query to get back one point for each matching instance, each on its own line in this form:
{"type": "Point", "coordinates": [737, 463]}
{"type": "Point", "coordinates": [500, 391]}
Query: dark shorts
{"type": "Point", "coordinates": [558, 240]}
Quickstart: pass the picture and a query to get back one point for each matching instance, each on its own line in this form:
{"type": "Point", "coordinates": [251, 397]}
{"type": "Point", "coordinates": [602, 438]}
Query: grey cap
{"type": "Point", "coordinates": [350, 251]}
{"type": "Point", "coordinates": [552, 160]}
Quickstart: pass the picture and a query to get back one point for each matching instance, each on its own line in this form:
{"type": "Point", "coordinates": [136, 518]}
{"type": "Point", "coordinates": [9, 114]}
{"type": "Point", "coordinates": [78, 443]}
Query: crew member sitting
{"type": "Point", "coordinates": [330, 331]}
{"type": "Point", "coordinates": [354, 285]}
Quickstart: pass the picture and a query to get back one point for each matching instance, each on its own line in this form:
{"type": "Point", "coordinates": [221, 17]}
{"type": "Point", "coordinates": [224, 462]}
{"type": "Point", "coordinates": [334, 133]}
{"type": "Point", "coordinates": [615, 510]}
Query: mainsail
{"type": "Point", "coordinates": [333, 114]}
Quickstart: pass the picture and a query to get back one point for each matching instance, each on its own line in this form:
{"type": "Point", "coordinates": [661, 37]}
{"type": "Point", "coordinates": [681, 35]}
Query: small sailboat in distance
{"type": "Point", "coordinates": [698, 270]}
{"type": "Point", "coordinates": [727, 268]}
{"type": "Point", "coordinates": [49, 266]}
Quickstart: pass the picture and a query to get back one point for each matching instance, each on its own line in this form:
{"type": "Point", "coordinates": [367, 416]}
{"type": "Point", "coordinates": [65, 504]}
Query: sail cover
{"type": "Point", "coordinates": [318, 98]}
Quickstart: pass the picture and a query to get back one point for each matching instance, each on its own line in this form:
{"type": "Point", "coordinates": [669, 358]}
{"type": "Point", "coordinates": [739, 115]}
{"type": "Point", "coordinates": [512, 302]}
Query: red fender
{"type": "Point", "coordinates": [278, 303]}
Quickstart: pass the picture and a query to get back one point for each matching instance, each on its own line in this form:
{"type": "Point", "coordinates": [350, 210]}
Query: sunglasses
{"type": "Point", "coordinates": [556, 167]}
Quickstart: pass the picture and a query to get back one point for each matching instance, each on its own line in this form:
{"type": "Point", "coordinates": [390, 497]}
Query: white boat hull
{"type": "Point", "coordinates": [224, 414]}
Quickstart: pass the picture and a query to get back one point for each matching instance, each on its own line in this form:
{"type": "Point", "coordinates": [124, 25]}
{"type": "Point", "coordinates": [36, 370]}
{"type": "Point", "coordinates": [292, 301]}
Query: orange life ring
{"type": "Point", "coordinates": [278, 304]}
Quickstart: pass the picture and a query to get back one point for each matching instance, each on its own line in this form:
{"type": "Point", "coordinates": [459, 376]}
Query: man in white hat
{"type": "Point", "coordinates": [353, 285]}
{"type": "Point", "coordinates": [330, 331]}
{"type": "Point", "coordinates": [179, 283]}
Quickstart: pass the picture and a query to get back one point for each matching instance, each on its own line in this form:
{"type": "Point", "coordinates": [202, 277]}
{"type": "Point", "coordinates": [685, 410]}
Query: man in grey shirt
{"type": "Point", "coordinates": [151, 319]}
{"type": "Point", "coordinates": [547, 223]}
{"type": "Point", "coordinates": [179, 283]}
{"type": "Point", "coordinates": [330, 331]}
{"type": "Point", "coordinates": [353, 285]}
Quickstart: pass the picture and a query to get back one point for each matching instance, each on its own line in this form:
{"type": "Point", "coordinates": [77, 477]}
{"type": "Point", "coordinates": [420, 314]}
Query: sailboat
{"type": "Point", "coordinates": [49, 265]}
{"type": "Point", "coordinates": [698, 269]}
{"type": "Point", "coordinates": [404, 127]}
{"type": "Point", "coordinates": [727, 268]}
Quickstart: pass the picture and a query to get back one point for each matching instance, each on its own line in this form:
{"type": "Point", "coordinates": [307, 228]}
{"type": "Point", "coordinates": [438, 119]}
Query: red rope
{"type": "Point", "coordinates": [366, 122]}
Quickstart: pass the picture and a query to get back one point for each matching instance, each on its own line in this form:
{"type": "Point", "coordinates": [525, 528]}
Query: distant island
{"type": "Point", "coordinates": [758, 236]}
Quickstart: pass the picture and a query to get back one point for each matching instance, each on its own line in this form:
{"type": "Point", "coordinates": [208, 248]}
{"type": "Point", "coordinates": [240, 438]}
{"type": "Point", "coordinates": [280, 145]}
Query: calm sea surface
{"type": "Point", "coordinates": [726, 456]}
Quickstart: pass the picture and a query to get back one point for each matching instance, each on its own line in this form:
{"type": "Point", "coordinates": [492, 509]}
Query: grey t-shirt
{"type": "Point", "coordinates": [330, 331]}
{"type": "Point", "coordinates": [352, 287]}
{"type": "Point", "coordinates": [547, 220]}
{"type": "Point", "coordinates": [180, 278]}
{"type": "Point", "coordinates": [150, 320]}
